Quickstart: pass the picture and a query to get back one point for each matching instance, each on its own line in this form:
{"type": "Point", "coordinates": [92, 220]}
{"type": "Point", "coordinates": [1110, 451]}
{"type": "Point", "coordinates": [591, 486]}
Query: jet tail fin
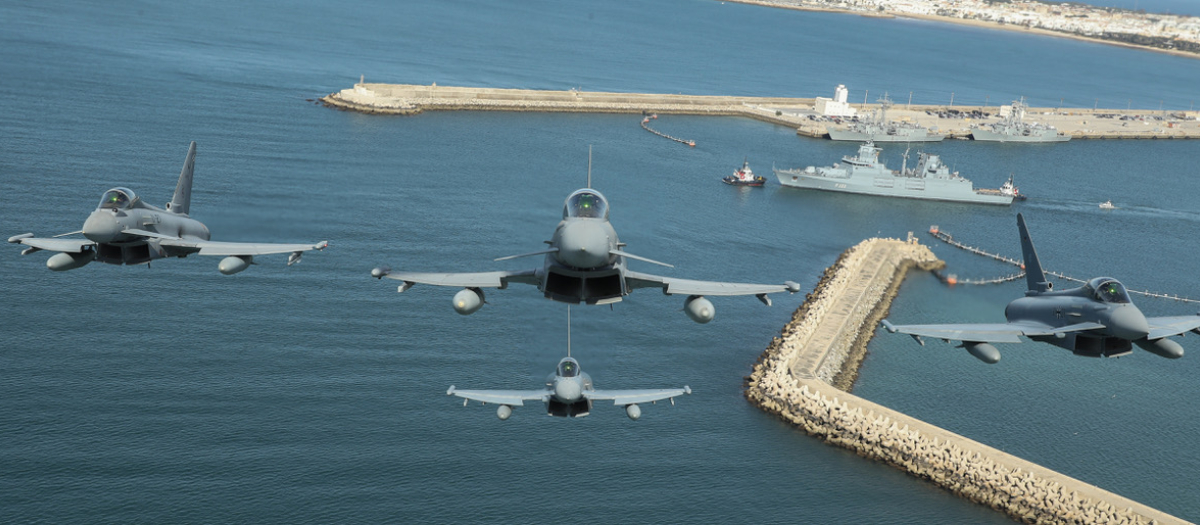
{"type": "Point", "coordinates": [1034, 277]}
{"type": "Point", "coordinates": [182, 201]}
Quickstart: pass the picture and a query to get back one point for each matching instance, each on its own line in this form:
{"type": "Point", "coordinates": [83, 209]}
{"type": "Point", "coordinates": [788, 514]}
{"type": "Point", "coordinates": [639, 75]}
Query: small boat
{"type": "Point", "coordinates": [1008, 188]}
{"type": "Point", "coordinates": [744, 177]}
{"type": "Point", "coordinates": [1107, 205]}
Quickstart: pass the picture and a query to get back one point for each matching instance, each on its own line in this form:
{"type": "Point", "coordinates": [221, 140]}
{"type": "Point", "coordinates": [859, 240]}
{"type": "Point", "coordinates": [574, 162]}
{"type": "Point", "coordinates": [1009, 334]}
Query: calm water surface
{"type": "Point", "coordinates": [315, 394]}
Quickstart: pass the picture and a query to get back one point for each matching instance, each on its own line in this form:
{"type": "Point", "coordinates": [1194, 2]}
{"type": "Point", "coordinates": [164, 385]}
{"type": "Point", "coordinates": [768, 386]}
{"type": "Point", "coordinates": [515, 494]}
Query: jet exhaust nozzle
{"type": "Point", "coordinates": [64, 261]}
{"type": "Point", "coordinates": [504, 412]}
{"type": "Point", "coordinates": [984, 352]}
{"type": "Point", "coordinates": [468, 301]}
{"type": "Point", "coordinates": [234, 264]}
{"type": "Point", "coordinates": [633, 411]}
{"type": "Point", "coordinates": [1163, 347]}
{"type": "Point", "coordinates": [699, 309]}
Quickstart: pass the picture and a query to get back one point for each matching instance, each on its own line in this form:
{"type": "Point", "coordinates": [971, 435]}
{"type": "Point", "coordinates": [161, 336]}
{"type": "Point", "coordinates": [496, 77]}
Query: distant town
{"type": "Point", "coordinates": [1178, 34]}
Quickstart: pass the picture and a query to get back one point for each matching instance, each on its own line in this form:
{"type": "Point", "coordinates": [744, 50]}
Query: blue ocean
{"type": "Point", "coordinates": [316, 394]}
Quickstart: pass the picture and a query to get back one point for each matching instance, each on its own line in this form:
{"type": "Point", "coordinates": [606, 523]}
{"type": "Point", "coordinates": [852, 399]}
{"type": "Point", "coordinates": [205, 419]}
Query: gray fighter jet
{"type": "Point", "coordinates": [568, 393]}
{"type": "Point", "coordinates": [585, 263]}
{"type": "Point", "coordinates": [1094, 320]}
{"type": "Point", "coordinates": [126, 230]}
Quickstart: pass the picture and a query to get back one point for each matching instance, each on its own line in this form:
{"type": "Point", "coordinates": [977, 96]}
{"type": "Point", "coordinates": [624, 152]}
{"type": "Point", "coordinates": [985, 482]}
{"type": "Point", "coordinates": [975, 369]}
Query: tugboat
{"type": "Point", "coordinates": [744, 177]}
{"type": "Point", "coordinates": [1009, 189]}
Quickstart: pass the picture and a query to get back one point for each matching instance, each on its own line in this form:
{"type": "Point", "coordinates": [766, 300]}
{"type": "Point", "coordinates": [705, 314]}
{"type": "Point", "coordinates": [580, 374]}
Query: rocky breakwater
{"type": "Point", "coordinates": [827, 337]}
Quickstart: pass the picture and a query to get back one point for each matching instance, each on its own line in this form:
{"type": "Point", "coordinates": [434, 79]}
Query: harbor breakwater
{"type": "Point", "coordinates": [796, 113]}
{"type": "Point", "coordinates": [823, 345]}
{"type": "Point", "coordinates": [409, 99]}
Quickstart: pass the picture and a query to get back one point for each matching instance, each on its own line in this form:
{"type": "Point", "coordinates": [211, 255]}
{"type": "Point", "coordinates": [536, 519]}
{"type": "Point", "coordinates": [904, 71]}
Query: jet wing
{"type": "Point", "coordinates": [987, 332]}
{"type": "Point", "coordinates": [463, 280]}
{"type": "Point", "coordinates": [56, 245]}
{"type": "Point", "coordinates": [1161, 327]}
{"type": "Point", "coordinates": [629, 397]}
{"type": "Point", "coordinates": [237, 248]}
{"type": "Point", "coordinates": [673, 286]}
{"type": "Point", "coordinates": [514, 398]}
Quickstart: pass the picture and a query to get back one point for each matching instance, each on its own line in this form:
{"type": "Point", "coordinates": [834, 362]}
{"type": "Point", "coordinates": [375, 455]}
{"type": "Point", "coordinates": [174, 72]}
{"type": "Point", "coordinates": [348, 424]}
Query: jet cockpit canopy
{"type": "Point", "coordinates": [118, 199]}
{"type": "Point", "coordinates": [568, 367]}
{"type": "Point", "coordinates": [586, 203]}
{"type": "Point", "coordinates": [1109, 290]}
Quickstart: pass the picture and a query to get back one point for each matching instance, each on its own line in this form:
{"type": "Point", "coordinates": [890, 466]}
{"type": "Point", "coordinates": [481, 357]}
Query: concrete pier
{"type": "Point", "coordinates": [1079, 123]}
{"type": "Point", "coordinates": [408, 99]}
{"type": "Point", "coordinates": [823, 346]}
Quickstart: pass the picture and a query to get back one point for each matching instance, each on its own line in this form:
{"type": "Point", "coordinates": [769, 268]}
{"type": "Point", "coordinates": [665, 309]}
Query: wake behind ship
{"type": "Point", "coordinates": [865, 174]}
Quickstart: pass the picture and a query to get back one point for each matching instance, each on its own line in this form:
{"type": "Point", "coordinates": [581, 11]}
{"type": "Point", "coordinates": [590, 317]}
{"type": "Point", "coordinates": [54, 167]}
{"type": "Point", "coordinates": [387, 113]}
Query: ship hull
{"type": "Point", "coordinates": [984, 135]}
{"type": "Point", "coordinates": [856, 136]}
{"type": "Point", "coordinates": [886, 186]}
{"type": "Point", "coordinates": [734, 181]}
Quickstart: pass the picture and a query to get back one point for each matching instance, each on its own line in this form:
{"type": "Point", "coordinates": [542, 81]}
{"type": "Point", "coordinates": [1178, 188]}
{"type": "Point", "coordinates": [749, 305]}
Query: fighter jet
{"type": "Point", "coordinates": [568, 393]}
{"type": "Point", "coordinates": [126, 230]}
{"type": "Point", "coordinates": [585, 263]}
{"type": "Point", "coordinates": [1094, 320]}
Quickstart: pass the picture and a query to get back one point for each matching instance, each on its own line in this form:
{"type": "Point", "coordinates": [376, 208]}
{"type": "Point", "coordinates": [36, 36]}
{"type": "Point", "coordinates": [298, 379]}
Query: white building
{"type": "Point", "coordinates": [836, 106]}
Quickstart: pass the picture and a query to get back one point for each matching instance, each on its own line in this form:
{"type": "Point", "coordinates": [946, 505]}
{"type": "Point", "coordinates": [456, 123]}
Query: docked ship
{"type": "Point", "coordinates": [865, 174]}
{"type": "Point", "coordinates": [877, 128]}
{"type": "Point", "coordinates": [1013, 128]}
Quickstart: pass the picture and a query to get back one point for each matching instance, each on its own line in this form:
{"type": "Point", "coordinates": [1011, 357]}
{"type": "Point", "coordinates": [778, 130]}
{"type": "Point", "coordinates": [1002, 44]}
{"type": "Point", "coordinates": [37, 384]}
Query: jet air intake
{"type": "Point", "coordinates": [468, 301]}
{"type": "Point", "coordinates": [699, 309]}
{"type": "Point", "coordinates": [1164, 347]}
{"type": "Point", "coordinates": [234, 264]}
{"type": "Point", "coordinates": [64, 261]}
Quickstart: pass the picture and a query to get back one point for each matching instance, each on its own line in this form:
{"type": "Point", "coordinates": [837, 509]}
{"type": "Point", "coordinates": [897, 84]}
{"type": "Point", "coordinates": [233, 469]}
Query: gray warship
{"type": "Point", "coordinates": [865, 174]}
{"type": "Point", "coordinates": [1013, 128]}
{"type": "Point", "coordinates": [878, 129]}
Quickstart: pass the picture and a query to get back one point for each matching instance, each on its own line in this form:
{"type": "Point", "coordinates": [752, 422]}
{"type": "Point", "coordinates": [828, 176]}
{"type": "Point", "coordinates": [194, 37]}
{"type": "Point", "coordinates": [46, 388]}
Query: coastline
{"type": "Point", "coordinates": [971, 23]}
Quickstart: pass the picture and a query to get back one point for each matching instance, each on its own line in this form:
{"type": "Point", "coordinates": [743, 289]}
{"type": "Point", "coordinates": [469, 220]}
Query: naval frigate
{"type": "Point", "coordinates": [865, 174]}
{"type": "Point", "coordinates": [1013, 128]}
{"type": "Point", "coordinates": [877, 128]}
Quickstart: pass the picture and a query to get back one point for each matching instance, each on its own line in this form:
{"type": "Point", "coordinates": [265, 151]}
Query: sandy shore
{"type": "Point", "coordinates": [970, 22]}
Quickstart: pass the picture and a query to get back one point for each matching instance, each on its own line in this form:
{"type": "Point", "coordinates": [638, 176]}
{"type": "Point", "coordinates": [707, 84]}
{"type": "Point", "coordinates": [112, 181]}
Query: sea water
{"type": "Point", "coordinates": [314, 393]}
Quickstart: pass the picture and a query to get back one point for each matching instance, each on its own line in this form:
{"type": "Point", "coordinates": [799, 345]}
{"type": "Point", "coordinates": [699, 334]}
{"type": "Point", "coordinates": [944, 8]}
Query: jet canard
{"type": "Point", "coordinates": [1097, 319]}
{"type": "Point", "coordinates": [585, 263]}
{"type": "Point", "coordinates": [124, 229]}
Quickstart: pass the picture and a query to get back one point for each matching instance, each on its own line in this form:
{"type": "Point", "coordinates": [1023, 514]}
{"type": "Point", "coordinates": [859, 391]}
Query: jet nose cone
{"type": "Point", "coordinates": [583, 245]}
{"type": "Point", "coordinates": [1127, 322]}
{"type": "Point", "coordinates": [101, 226]}
{"type": "Point", "coordinates": [567, 390]}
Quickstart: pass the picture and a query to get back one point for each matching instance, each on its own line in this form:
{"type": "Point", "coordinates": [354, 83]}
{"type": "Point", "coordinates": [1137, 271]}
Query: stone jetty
{"type": "Point", "coordinates": [408, 99]}
{"type": "Point", "coordinates": [823, 346]}
{"type": "Point", "coordinates": [796, 113]}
